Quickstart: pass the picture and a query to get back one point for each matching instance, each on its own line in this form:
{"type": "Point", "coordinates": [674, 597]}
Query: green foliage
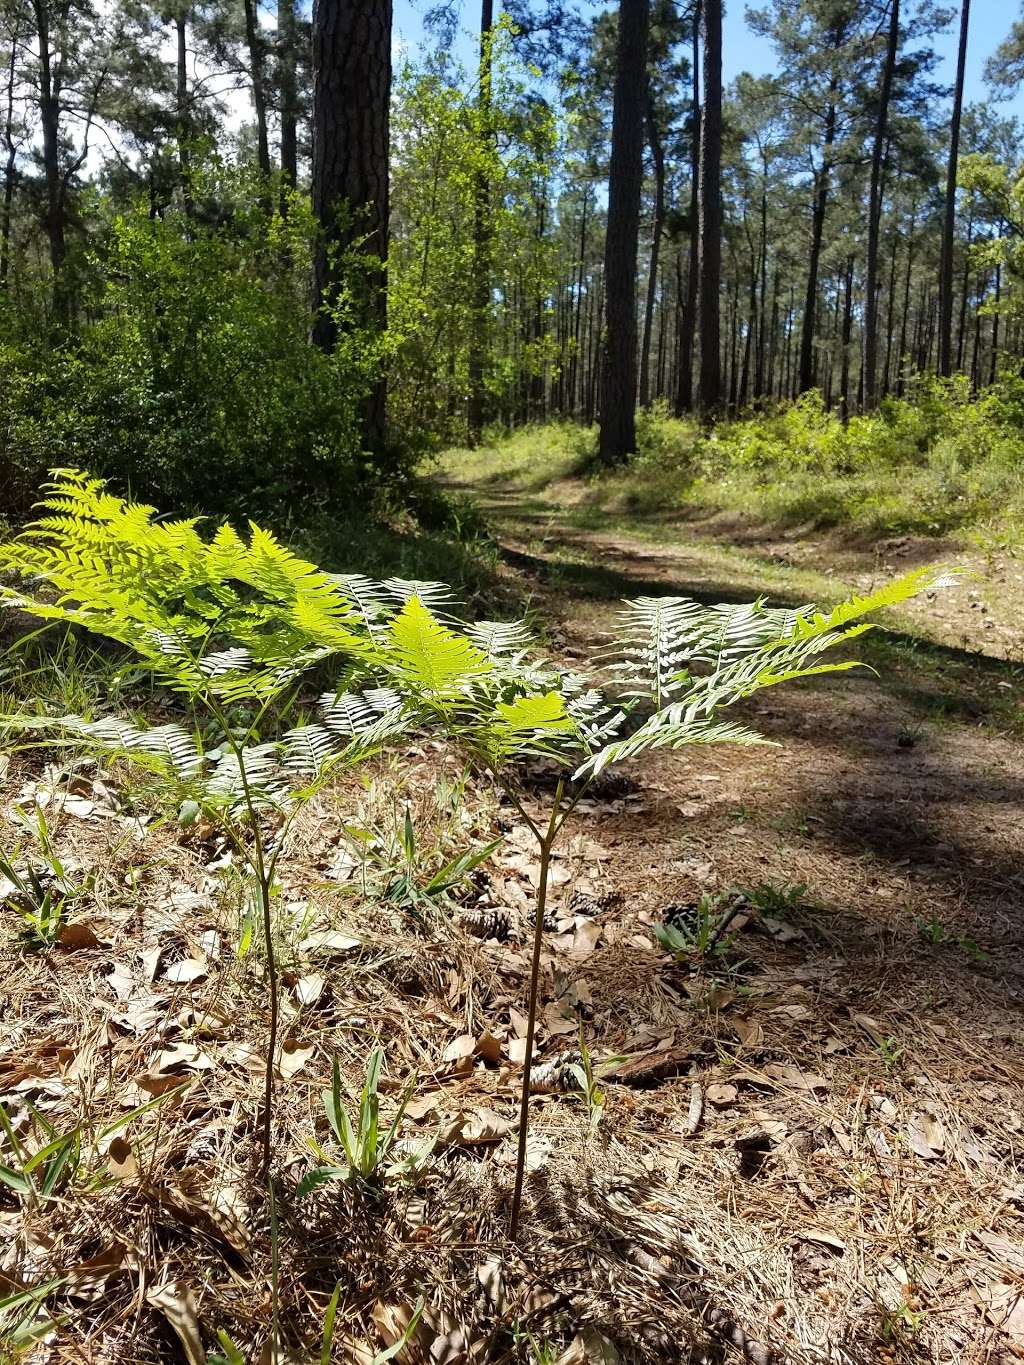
{"type": "Point", "coordinates": [707, 935]}
{"type": "Point", "coordinates": [446, 143]}
{"type": "Point", "coordinates": [937, 460]}
{"type": "Point", "coordinates": [41, 888]}
{"type": "Point", "coordinates": [588, 1074]}
{"type": "Point", "coordinates": [193, 380]}
{"type": "Point", "coordinates": [365, 1145]}
{"type": "Point", "coordinates": [777, 901]}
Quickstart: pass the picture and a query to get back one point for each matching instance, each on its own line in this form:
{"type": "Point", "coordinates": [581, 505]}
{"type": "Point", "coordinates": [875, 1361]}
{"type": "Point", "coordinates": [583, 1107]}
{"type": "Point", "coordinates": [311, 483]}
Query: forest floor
{"type": "Point", "coordinates": [811, 1148]}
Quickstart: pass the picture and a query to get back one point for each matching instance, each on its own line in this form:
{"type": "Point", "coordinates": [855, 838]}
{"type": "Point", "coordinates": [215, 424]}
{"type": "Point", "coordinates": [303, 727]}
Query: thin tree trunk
{"type": "Point", "coordinates": [351, 105]}
{"type": "Point", "coordinates": [182, 111]}
{"type": "Point", "coordinates": [619, 361]}
{"type": "Point", "coordinates": [949, 214]}
{"type": "Point", "coordinates": [49, 118]}
{"type": "Point", "coordinates": [965, 289]}
{"type": "Point", "coordinates": [254, 42]}
{"type": "Point", "coordinates": [657, 226]}
{"type": "Point", "coordinates": [890, 317]}
{"type": "Point", "coordinates": [710, 200]}
{"type": "Point", "coordinates": [821, 189]}
{"type": "Point", "coordinates": [847, 333]}
{"type": "Point", "coordinates": [481, 282]}
{"type": "Point", "coordinates": [287, 83]}
{"type": "Point", "coordinates": [763, 249]}
{"type": "Point", "coordinates": [994, 362]}
{"type": "Point", "coordinates": [870, 381]}
{"type": "Point", "coordinates": [688, 321]}
{"type": "Point", "coordinates": [9, 165]}
{"type": "Point", "coordinates": [905, 318]}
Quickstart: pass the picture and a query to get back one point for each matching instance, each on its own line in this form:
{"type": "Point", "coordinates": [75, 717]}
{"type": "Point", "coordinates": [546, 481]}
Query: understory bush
{"type": "Point", "coordinates": [935, 461]}
{"type": "Point", "coordinates": [188, 373]}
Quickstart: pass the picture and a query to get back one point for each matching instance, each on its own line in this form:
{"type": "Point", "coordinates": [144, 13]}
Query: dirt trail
{"type": "Point", "coordinates": [860, 1069]}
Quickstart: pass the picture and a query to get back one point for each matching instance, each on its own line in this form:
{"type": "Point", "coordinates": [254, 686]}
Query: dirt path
{"type": "Point", "coordinates": [859, 1072]}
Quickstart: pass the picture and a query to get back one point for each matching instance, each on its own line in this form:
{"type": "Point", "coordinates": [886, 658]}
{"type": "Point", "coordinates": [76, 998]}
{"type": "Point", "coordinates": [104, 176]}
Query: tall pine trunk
{"type": "Point", "coordinates": [657, 227]}
{"type": "Point", "coordinates": [481, 282]}
{"type": "Point", "coordinates": [257, 78]}
{"type": "Point", "coordinates": [619, 359]}
{"type": "Point", "coordinates": [49, 121]}
{"type": "Point", "coordinates": [870, 380]}
{"type": "Point", "coordinates": [688, 319]}
{"type": "Point", "coordinates": [10, 160]}
{"type": "Point", "coordinates": [351, 103]}
{"type": "Point", "coordinates": [822, 182]}
{"type": "Point", "coordinates": [710, 248]}
{"type": "Point", "coordinates": [287, 83]}
{"type": "Point", "coordinates": [949, 213]}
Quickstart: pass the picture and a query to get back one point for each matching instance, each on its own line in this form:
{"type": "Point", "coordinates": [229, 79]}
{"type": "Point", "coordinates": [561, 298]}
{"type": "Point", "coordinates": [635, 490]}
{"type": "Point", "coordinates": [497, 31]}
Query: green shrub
{"type": "Point", "coordinates": [191, 378]}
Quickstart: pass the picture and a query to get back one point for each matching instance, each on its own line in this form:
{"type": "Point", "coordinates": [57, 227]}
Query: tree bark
{"type": "Point", "coordinates": [254, 42]}
{"type": "Point", "coordinates": [688, 320]}
{"type": "Point", "coordinates": [351, 105]}
{"type": "Point", "coordinates": [182, 112]}
{"type": "Point", "coordinates": [619, 360]}
{"type": "Point", "coordinates": [710, 247]}
{"type": "Point", "coordinates": [821, 189]}
{"type": "Point", "coordinates": [10, 160]}
{"type": "Point", "coordinates": [949, 214]}
{"type": "Point", "coordinates": [870, 384]}
{"type": "Point", "coordinates": [49, 119]}
{"type": "Point", "coordinates": [481, 284]}
{"type": "Point", "coordinates": [287, 83]}
{"type": "Point", "coordinates": [657, 227]}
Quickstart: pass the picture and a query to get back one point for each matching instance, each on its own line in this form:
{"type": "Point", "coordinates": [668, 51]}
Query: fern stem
{"type": "Point", "coordinates": [546, 840]}
{"type": "Point", "coordinates": [258, 863]}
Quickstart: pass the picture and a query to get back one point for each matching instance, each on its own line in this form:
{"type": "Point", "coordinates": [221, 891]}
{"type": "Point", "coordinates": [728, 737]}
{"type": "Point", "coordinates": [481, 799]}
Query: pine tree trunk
{"type": "Point", "coordinates": [870, 379]}
{"type": "Point", "coordinates": [949, 213]}
{"type": "Point", "coordinates": [619, 360]}
{"type": "Point", "coordinates": [710, 247]}
{"type": "Point", "coordinates": [254, 43]}
{"type": "Point", "coordinates": [10, 161]}
{"type": "Point", "coordinates": [821, 189]}
{"type": "Point", "coordinates": [481, 283]}
{"type": "Point", "coordinates": [905, 317]}
{"type": "Point", "coordinates": [688, 319]}
{"type": "Point", "coordinates": [847, 333]}
{"type": "Point", "coordinates": [351, 105]}
{"type": "Point", "coordinates": [287, 83]}
{"type": "Point", "coordinates": [49, 119]}
{"type": "Point", "coordinates": [994, 361]}
{"type": "Point", "coordinates": [965, 289]}
{"type": "Point", "coordinates": [182, 111]}
{"type": "Point", "coordinates": [657, 227]}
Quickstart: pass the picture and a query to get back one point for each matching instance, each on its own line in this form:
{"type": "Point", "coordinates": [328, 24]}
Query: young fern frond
{"type": "Point", "coordinates": [786, 655]}
{"type": "Point", "coordinates": [429, 657]}
{"type": "Point", "coordinates": [661, 639]}
{"type": "Point", "coordinates": [500, 639]}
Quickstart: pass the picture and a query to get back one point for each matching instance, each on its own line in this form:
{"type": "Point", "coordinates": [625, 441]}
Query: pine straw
{"type": "Point", "coordinates": [794, 1221]}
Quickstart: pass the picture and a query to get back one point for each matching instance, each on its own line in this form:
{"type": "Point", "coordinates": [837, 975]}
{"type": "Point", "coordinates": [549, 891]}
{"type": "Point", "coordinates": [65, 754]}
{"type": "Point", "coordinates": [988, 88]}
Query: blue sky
{"type": "Point", "coordinates": [742, 51]}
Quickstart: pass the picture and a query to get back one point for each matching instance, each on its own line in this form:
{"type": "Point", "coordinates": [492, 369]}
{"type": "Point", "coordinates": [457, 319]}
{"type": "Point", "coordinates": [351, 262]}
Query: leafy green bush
{"type": "Point", "coordinates": [192, 379]}
{"type": "Point", "coordinates": [937, 460]}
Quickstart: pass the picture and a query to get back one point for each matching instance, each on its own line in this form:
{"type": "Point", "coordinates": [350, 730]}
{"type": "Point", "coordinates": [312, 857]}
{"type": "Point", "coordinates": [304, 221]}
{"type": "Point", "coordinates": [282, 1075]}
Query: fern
{"type": "Point", "coordinates": [661, 639]}
{"type": "Point", "coordinates": [752, 653]}
{"type": "Point", "coordinates": [430, 658]}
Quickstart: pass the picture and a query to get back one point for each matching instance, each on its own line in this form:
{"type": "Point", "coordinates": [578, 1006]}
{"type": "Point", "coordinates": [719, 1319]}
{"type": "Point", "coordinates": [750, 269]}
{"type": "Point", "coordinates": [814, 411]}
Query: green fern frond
{"type": "Point", "coordinates": [660, 733]}
{"type": "Point", "coordinates": [429, 657]}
